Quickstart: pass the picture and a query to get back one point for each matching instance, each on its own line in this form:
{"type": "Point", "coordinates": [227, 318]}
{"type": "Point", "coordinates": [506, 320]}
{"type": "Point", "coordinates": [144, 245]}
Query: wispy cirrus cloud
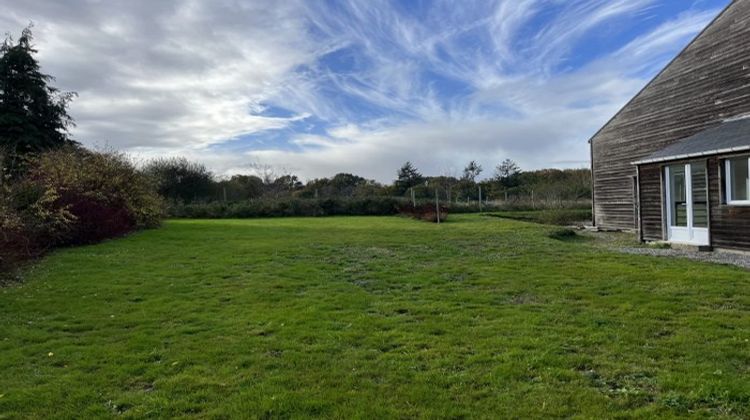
{"type": "Point", "coordinates": [358, 86]}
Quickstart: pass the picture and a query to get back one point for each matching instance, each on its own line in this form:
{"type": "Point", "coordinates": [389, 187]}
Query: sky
{"type": "Point", "coordinates": [319, 87]}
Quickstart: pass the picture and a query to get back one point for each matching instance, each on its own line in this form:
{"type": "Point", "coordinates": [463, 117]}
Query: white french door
{"type": "Point", "coordinates": [687, 203]}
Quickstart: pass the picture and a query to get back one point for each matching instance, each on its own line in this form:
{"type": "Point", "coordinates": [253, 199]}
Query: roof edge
{"type": "Point", "coordinates": [690, 44]}
{"type": "Point", "coordinates": [692, 155]}
{"type": "Point", "coordinates": [738, 117]}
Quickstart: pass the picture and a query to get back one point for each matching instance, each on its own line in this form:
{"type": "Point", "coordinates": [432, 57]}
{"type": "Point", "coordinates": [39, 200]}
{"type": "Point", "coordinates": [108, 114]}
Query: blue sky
{"type": "Point", "coordinates": [319, 87]}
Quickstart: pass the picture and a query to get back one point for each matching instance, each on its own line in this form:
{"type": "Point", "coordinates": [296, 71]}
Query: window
{"type": "Point", "coordinates": [738, 182]}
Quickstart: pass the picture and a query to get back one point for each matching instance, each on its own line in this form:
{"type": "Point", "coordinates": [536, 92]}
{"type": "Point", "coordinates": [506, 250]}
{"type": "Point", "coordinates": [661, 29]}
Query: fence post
{"type": "Point", "coordinates": [413, 199]}
{"type": "Point", "coordinates": [480, 198]}
{"type": "Point", "coordinates": [533, 204]}
{"type": "Point", "coordinates": [437, 205]}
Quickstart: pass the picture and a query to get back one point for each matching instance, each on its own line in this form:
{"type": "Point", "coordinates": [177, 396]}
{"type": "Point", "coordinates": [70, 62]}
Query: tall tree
{"type": "Point", "coordinates": [472, 171]}
{"type": "Point", "coordinates": [33, 114]}
{"type": "Point", "coordinates": [506, 173]}
{"type": "Point", "coordinates": [408, 176]}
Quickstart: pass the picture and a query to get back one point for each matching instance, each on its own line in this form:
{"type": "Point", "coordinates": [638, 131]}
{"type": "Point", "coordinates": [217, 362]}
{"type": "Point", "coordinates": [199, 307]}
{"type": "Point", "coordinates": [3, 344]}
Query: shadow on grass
{"type": "Point", "coordinates": [566, 235]}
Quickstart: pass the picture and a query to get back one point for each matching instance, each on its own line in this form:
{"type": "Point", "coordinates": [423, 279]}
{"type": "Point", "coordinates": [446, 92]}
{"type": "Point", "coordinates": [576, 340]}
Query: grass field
{"type": "Point", "coordinates": [371, 317]}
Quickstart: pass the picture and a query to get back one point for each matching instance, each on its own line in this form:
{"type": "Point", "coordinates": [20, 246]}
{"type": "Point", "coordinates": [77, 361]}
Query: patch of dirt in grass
{"type": "Point", "coordinates": [362, 283]}
{"type": "Point", "coordinates": [455, 277]}
{"type": "Point", "coordinates": [524, 299]}
{"type": "Point", "coordinates": [117, 409]}
{"type": "Point", "coordinates": [274, 353]}
{"type": "Point", "coordinates": [663, 333]}
{"type": "Point", "coordinates": [141, 385]}
{"type": "Point", "coordinates": [638, 387]}
{"type": "Point", "coordinates": [728, 305]}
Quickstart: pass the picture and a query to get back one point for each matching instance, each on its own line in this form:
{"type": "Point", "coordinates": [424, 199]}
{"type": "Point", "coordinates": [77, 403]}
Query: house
{"type": "Point", "coordinates": [672, 164]}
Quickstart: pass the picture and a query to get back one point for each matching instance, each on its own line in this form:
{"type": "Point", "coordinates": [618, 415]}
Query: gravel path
{"type": "Point", "coordinates": [718, 257]}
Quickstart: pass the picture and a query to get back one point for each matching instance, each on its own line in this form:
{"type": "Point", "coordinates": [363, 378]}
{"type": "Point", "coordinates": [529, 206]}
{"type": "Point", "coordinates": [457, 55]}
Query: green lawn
{"type": "Point", "coordinates": [371, 317]}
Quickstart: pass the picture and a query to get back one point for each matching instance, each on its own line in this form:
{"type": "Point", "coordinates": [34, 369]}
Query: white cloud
{"type": "Point", "coordinates": [166, 74]}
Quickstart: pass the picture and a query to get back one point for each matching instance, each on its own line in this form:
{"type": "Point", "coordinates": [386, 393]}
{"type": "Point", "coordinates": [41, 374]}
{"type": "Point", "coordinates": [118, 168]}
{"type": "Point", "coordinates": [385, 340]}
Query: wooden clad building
{"type": "Point", "coordinates": [673, 163]}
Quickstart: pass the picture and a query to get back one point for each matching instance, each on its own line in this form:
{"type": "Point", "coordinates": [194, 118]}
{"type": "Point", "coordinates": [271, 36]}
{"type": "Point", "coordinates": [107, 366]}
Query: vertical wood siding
{"type": "Point", "coordinates": [651, 203]}
{"type": "Point", "coordinates": [730, 225]}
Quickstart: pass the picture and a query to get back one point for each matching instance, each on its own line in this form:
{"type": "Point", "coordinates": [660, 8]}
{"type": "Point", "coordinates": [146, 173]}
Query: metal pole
{"type": "Point", "coordinates": [413, 199]}
{"type": "Point", "coordinates": [480, 198]}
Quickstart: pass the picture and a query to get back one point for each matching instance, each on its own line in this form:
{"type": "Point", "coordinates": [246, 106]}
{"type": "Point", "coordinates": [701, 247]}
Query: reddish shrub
{"type": "Point", "coordinates": [15, 246]}
{"type": "Point", "coordinates": [73, 196]}
{"type": "Point", "coordinates": [95, 220]}
{"type": "Point", "coordinates": [426, 212]}
{"type": "Point", "coordinates": [103, 193]}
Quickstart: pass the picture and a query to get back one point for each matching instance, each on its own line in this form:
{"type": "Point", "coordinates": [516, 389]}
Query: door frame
{"type": "Point", "coordinates": [689, 234]}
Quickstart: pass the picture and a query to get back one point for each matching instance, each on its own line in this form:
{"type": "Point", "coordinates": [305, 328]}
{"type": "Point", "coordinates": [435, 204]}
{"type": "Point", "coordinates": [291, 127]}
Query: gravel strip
{"type": "Point", "coordinates": [718, 257]}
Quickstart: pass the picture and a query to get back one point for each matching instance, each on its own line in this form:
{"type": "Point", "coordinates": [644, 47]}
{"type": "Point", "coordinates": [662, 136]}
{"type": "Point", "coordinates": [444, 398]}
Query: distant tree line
{"type": "Point", "coordinates": [181, 181]}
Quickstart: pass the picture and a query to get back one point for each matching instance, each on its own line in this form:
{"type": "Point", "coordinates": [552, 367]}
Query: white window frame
{"type": "Point", "coordinates": [728, 182]}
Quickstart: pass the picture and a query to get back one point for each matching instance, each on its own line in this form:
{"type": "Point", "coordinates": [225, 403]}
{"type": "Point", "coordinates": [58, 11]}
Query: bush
{"type": "Point", "coordinates": [104, 192]}
{"type": "Point", "coordinates": [30, 222]}
{"type": "Point", "coordinates": [73, 196]}
{"type": "Point", "coordinates": [180, 179]}
{"type": "Point", "coordinates": [426, 212]}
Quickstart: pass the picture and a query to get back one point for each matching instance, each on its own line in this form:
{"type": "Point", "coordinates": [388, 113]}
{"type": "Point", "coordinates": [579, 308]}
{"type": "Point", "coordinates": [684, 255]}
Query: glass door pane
{"type": "Point", "coordinates": [677, 196]}
{"type": "Point", "coordinates": [738, 179]}
{"type": "Point", "coordinates": [699, 195]}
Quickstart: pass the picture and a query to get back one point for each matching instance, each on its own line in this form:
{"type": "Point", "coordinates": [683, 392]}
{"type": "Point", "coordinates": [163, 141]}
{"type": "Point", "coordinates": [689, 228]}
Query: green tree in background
{"type": "Point", "coordinates": [408, 176]}
{"type": "Point", "coordinates": [178, 179]}
{"type": "Point", "coordinates": [507, 172]}
{"type": "Point", "coordinates": [33, 114]}
{"type": "Point", "coordinates": [341, 185]}
{"type": "Point", "coordinates": [472, 171]}
{"type": "Point", "coordinates": [240, 187]}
